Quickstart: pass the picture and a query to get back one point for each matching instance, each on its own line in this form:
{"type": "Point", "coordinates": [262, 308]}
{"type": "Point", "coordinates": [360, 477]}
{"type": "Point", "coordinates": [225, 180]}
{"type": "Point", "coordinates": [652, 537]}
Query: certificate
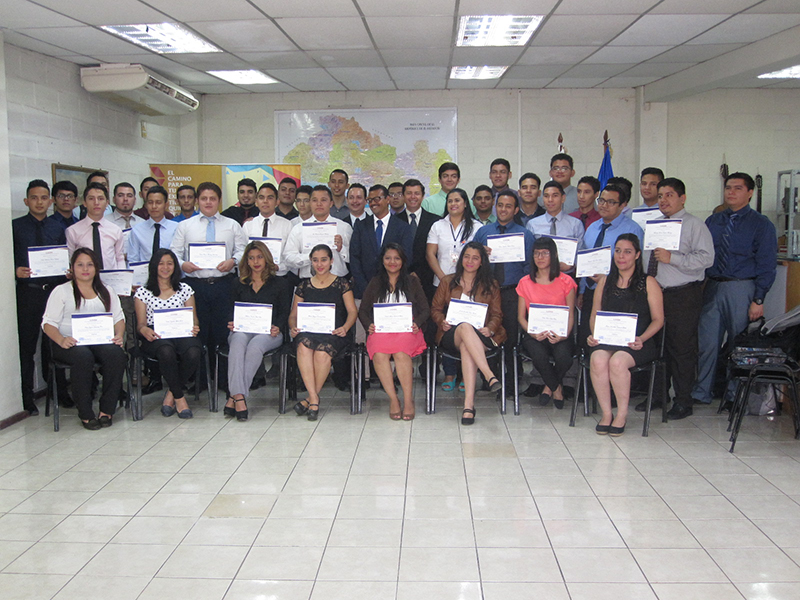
{"type": "Point", "coordinates": [567, 247]}
{"type": "Point", "coordinates": [140, 273]}
{"type": "Point", "coordinates": [249, 317]}
{"type": "Point", "coordinates": [461, 311]}
{"type": "Point", "coordinates": [506, 248]}
{"type": "Point", "coordinates": [208, 255]}
{"type": "Point", "coordinates": [120, 280]}
{"type": "Point", "coordinates": [663, 233]}
{"type": "Point", "coordinates": [393, 318]}
{"type": "Point", "coordinates": [90, 329]}
{"type": "Point", "coordinates": [48, 261]}
{"type": "Point", "coordinates": [641, 214]}
{"type": "Point", "coordinates": [173, 322]}
{"type": "Point", "coordinates": [316, 317]}
{"type": "Point", "coordinates": [615, 329]}
{"type": "Point", "coordinates": [548, 317]}
{"type": "Point", "coordinates": [318, 233]}
{"type": "Point", "coordinates": [274, 245]}
{"type": "Point", "coordinates": [594, 261]}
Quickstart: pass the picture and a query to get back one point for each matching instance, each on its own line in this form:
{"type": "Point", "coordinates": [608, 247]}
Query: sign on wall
{"type": "Point", "coordinates": [372, 145]}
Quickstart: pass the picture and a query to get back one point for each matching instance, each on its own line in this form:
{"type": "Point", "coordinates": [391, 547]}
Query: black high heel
{"type": "Point", "coordinates": [241, 415]}
{"type": "Point", "coordinates": [301, 408]}
{"type": "Point", "coordinates": [313, 413]}
{"type": "Point", "coordinates": [467, 420]}
{"type": "Point", "coordinates": [230, 411]}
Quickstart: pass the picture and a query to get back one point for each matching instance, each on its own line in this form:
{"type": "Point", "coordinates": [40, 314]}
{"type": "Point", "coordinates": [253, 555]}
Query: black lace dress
{"type": "Point", "coordinates": [630, 300]}
{"type": "Point", "coordinates": [333, 294]}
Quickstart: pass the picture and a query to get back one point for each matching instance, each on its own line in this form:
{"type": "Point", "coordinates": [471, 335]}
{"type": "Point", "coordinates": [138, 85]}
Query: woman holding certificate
{"type": "Point", "coordinates": [315, 350]}
{"type": "Point", "coordinates": [626, 289]}
{"type": "Point", "coordinates": [549, 289]}
{"type": "Point", "coordinates": [472, 282]}
{"type": "Point", "coordinates": [177, 352]}
{"type": "Point", "coordinates": [394, 289]}
{"type": "Point", "coordinates": [102, 323]}
{"type": "Point", "coordinates": [258, 283]}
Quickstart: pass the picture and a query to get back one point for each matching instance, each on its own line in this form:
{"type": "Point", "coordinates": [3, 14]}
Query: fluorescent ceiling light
{"type": "Point", "coordinates": [248, 77]}
{"type": "Point", "coordinates": [789, 73]}
{"type": "Point", "coordinates": [163, 38]}
{"type": "Point", "coordinates": [477, 72]}
{"type": "Point", "coordinates": [496, 30]}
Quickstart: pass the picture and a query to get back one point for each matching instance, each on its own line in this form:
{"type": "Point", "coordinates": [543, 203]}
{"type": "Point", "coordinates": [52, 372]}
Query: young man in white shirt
{"type": "Point", "coordinates": [555, 221]}
{"type": "Point", "coordinates": [142, 239]}
{"type": "Point", "coordinates": [108, 242]}
{"type": "Point", "coordinates": [269, 224]}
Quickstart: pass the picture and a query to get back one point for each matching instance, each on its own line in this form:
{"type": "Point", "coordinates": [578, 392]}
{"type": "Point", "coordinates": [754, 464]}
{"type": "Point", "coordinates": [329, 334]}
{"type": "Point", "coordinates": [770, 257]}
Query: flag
{"type": "Point", "coordinates": [606, 170]}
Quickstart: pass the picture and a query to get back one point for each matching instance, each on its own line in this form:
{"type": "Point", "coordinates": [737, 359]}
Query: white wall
{"type": "Point", "coordinates": [51, 119]}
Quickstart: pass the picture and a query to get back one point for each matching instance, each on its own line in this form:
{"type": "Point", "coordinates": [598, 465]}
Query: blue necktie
{"type": "Point", "coordinates": [379, 234]}
{"type": "Point", "coordinates": [724, 244]}
{"type": "Point", "coordinates": [211, 229]}
{"type": "Point", "coordinates": [598, 243]}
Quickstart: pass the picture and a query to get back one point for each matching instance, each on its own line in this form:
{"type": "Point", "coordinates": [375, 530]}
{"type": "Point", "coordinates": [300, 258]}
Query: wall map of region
{"type": "Point", "coordinates": [373, 146]}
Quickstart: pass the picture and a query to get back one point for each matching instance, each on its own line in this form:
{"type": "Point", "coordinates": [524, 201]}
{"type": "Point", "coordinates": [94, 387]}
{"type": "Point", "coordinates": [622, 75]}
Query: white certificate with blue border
{"type": "Point", "coordinates": [461, 311]}
{"type": "Point", "coordinates": [506, 248]}
{"type": "Point", "coordinates": [315, 234]}
{"type": "Point", "coordinates": [316, 317]}
{"type": "Point", "coordinates": [548, 317]}
{"type": "Point", "coordinates": [91, 329]}
{"type": "Point", "coordinates": [594, 261]}
{"type": "Point", "coordinates": [615, 329]}
{"type": "Point", "coordinates": [48, 261]}
{"type": "Point", "coordinates": [140, 273]}
{"type": "Point", "coordinates": [642, 214]}
{"type": "Point", "coordinates": [567, 247]}
{"type": "Point", "coordinates": [393, 317]}
{"type": "Point", "coordinates": [274, 245]}
{"type": "Point", "coordinates": [120, 280]}
{"type": "Point", "coordinates": [208, 255]}
{"type": "Point", "coordinates": [663, 233]}
{"type": "Point", "coordinates": [171, 323]}
{"type": "Point", "coordinates": [251, 317]}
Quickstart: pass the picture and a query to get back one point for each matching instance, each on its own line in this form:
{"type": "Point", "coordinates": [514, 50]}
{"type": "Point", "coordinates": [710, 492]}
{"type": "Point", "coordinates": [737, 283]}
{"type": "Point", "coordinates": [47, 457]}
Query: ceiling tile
{"type": "Point", "coordinates": [271, 88]}
{"type": "Point", "coordinates": [306, 79]}
{"type": "Point", "coordinates": [347, 58]}
{"type": "Point", "coordinates": [572, 82]}
{"type": "Point", "coordinates": [604, 7]}
{"type": "Point", "coordinates": [486, 56]}
{"type": "Point", "coordinates": [328, 8]}
{"type": "Point", "coordinates": [344, 33]}
{"type": "Point", "coordinates": [533, 83]}
{"type": "Point", "coordinates": [506, 7]}
{"type": "Point", "coordinates": [79, 60]}
{"type": "Point", "coordinates": [597, 70]}
{"type": "Point", "coordinates": [535, 71]}
{"type": "Point", "coordinates": [748, 28]}
{"type": "Point", "coordinates": [625, 54]}
{"type": "Point", "coordinates": [590, 30]}
{"type": "Point", "coordinates": [418, 8]}
{"type": "Point", "coordinates": [787, 7]}
{"type": "Point", "coordinates": [405, 32]}
{"type": "Point", "coordinates": [216, 61]}
{"type": "Point", "coordinates": [235, 36]}
{"type": "Point", "coordinates": [36, 44]}
{"type": "Point", "coordinates": [363, 79]}
{"type": "Point", "coordinates": [102, 12]}
{"type": "Point", "coordinates": [649, 69]}
{"type": "Point", "coordinates": [627, 82]}
{"type": "Point", "coordinates": [416, 57]}
{"type": "Point", "coordinates": [708, 7]}
{"type": "Point", "coordinates": [695, 52]}
{"type": "Point", "coordinates": [15, 14]}
{"type": "Point", "coordinates": [86, 40]}
{"type": "Point", "coordinates": [471, 84]}
{"type": "Point", "coordinates": [277, 60]}
{"type": "Point", "coordinates": [558, 55]}
{"type": "Point", "coordinates": [665, 30]}
{"type": "Point", "coordinates": [220, 88]}
{"type": "Point", "coordinates": [192, 10]}
{"type": "Point", "coordinates": [419, 78]}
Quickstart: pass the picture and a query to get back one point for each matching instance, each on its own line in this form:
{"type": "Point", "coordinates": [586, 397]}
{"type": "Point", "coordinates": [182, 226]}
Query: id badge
{"type": "Point", "coordinates": [454, 254]}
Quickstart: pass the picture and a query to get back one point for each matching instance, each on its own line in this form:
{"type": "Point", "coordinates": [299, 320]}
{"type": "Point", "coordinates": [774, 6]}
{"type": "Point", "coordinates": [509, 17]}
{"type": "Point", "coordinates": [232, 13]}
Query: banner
{"type": "Point", "coordinates": [273, 174]}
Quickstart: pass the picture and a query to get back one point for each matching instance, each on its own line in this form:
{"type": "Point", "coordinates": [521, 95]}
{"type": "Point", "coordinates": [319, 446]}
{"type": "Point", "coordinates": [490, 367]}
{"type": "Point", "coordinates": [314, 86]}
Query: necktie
{"type": "Point", "coordinates": [724, 244]}
{"type": "Point", "coordinates": [156, 238]}
{"type": "Point", "coordinates": [265, 229]}
{"type": "Point", "coordinates": [39, 233]}
{"type": "Point", "coordinates": [584, 218]}
{"type": "Point", "coordinates": [552, 225]}
{"type": "Point", "coordinates": [211, 229]}
{"type": "Point", "coordinates": [379, 234]}
{"type": "Point", "coordinates": [500, 268]}
{"type": "Point", "coordinates": [413, 225]}
{"type": "Point", "coordinates": [98, 249]}
{"type": "Point", "coordinates": [598, 243]}
{"type": "Point", "coordinates": [652, 265]}
{"type": "Point", "coordinates": [127, 222]}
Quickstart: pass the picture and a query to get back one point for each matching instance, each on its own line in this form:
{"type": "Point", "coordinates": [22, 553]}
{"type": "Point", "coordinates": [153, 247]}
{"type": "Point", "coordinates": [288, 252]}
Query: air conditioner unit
{"type": "Point", "coordinates": [138, 89]}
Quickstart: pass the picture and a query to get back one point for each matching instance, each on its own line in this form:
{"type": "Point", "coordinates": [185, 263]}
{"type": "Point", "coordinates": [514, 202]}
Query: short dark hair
{"type": "Point", "coordinates": [748, 181]}
{"type": "Point", "coordinates": [394, 184]}
{"type": "Point", "coordinates": [358, 186]}
{"type": "Point", "coordinates": [378, 187]}
{"type": "Point", "coordinates": [531, 176]}
{"type": "Point", "coordinates": [270, 186]}
{"type": "Point", "coordinates": [145, 180]}
{"type": "Point", "coordinates": [305, 189]}
{"type": "Point", "coordinates": [96, 186]}
{"type": "Point", "coordinates": [482, 188]}
{"type": "Point", "coordinates": [210, 185]}
{"type": "Point", "coordinates": [157, 189]}
{"type": "Point", "coordinates": [562, 156]}
{"type": "Point", "coordinates": [94, 174]}
{"type": "Point", "coordinates": [343, 172]}
{"type": "Point", "coordinates": [65, 185]}
{"type": "Point", "coordinates": [652, 171]}
{"type": "Point", "coordinates": [413, 183]}
{"type": "Point", "coordinates": [449, 166]}
{"type": "Point", "coordinates": [123, 184]}
{"type": "Point", "coordinates": [246, 182]}
{"type": "Point", "coordinates": [620, 191]}
{"type": "Point", "coordinates": [186, 187]}
{"type": "Point", "coordinates": [500, 161]}
{"type": "Point", "coordinates": [554, 184]}
{"type": "Point", "coordinates": [592, 181]}
{"type": "Point", "coordinates": [675, 183]}
{"type": "Point", "coordinates": [37, 183]}
{"type": "Point", "coordinates": [509, 193]}
{"type": "Point", "coordinates": [623, 183]}
{"type": "Point", "coordinates": [323, 188]}
{"type": "Point", "coordinates": [286, 179]}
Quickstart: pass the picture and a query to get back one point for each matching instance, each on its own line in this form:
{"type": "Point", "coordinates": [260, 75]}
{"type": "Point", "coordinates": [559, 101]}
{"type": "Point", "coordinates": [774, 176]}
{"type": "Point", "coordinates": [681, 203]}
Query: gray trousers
{"type": "Point", "coordinates": [246, 351]}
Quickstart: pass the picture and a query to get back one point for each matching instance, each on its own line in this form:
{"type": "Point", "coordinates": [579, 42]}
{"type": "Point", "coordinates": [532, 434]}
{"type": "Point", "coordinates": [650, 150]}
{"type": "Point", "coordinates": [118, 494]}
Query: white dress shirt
{"type": "Point", "coordinates": [112, 242]}
{"type": "Point", "coordinates": [193, 231]}
{"type": "Point", "coordinates": [449, 244]}
{"type": "Point", "coordinates": [297, 259]}
{"type": "Point", "coordinates": [140, 240]}
{"type": "Point", "coordinates": [278, 228]}
{"type": "Point", "coordinates": [61, 307]}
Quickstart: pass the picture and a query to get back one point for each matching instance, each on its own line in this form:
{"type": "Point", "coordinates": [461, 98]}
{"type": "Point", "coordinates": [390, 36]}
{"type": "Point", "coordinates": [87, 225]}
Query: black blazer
{"type": "Point", "coordinates": [364, 251]}
{"type": "Point", "coordinates": [419, 262]}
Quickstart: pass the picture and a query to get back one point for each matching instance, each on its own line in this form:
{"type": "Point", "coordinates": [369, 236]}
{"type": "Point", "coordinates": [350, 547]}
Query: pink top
{"type": "Point", "coordinates": [555, 292]}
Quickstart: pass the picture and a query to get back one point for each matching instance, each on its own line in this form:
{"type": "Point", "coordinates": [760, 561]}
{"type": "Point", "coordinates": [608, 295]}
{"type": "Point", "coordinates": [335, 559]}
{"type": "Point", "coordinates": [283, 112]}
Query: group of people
{"type": "Point", "coordinates": [392, 244]}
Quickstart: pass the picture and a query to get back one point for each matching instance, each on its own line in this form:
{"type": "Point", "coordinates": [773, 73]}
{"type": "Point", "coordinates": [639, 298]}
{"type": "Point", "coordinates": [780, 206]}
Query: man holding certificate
{"type": "Point", "coordinates": [627, 294]}
{"type": "Point", "coordinates": [39, 239]}
{"type": "Point", "coordinates": [269, 227]}
{"type": "Point", "coordinates": [557, 223]}
{"type": "Point", "coordinates": [680, 273]}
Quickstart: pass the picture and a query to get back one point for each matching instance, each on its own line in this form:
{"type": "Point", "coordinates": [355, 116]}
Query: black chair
{"type": "Point", "coordinates": [141, 357]}
{"type": "Point", "coordinates": [435, 352]}
{"type": "Point", "coordinates": [356, 410]}
{"type": "Point", "coordinates": [281, 351]}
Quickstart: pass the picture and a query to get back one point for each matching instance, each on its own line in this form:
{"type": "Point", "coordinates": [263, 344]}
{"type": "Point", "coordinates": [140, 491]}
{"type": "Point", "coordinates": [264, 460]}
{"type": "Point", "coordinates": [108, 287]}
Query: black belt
{"type": "Point", "coordinates": [210, 280]}
{"type": "Point", "coordinates": [44, 287]}
{"type": "Point", "coordinates": [724, 279]}
{"type": "Point", "coordinates": [682, 287]}
{"type": "Point", "coordinates": [508, 287]}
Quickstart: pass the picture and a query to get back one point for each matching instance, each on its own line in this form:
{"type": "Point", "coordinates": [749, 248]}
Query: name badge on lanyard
{"type": "Point", "coordinates": [456, 251]}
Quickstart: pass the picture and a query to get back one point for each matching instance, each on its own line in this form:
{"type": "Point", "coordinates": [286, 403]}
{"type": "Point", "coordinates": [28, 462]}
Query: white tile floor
{"type": "Point", "coordinates": [356, 507]}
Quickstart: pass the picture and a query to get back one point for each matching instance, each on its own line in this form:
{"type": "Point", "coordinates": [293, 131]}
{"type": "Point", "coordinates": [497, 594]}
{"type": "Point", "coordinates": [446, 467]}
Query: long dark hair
{"type": "Point", "coordinates": [97, 283]}
{"type": "Point", "coordinates": [546, 243]}
{"type": "Point", "coordinates": [152, 271]}
{"type": "Point", "coordinates": [639, 277]}
{"type": "Point", "coordinates": [402, 286]}
{"type": "Point", "coordinates": [468, 217]}
{"type": "Point", "coordinates": [483, 277]}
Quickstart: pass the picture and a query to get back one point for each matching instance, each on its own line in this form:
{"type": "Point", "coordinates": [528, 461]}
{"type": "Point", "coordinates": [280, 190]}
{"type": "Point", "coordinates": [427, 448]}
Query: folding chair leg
{"type": "Point", "coordinates": [54, 400]}
{"type": "Point", "coordinates": [433, 381]}
{"type": "Point", "coordinates": [574, 412]}
{"type": "Point", "coordinates": [212, 403]}
{"type": "Point", "coordinates": [282, 383]}
{"type": "Point", "coordinates": [665, 388]}
{"type": "Point", "coordinates": [516, 380]}
{"type": "Point", "coordinates": [502, 380]}
{"type": "Point", "coordinates": [649, 405]}
{"type": "Point", "coordinates": [354, 393]}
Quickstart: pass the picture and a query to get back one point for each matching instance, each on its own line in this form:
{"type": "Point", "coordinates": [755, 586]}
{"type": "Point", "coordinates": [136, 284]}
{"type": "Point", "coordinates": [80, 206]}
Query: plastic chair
{"type": "Point", "coordinates": [141, 357]}
{"type": "Point", "coordinates": [281, 351]}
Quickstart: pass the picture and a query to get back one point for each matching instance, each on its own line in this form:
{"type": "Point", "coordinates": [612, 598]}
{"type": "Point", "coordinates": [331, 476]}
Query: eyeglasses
{"type": "Point", "coordinates": [396, 195]}
{"type": "Point", "coordinates": [560, 169]}
{"type": "Point", "coordinates": [65, 196]}
{"type": "Point", "coordinates": [609, 202]}
{"type": "Point", "coordinates": [541, 254]}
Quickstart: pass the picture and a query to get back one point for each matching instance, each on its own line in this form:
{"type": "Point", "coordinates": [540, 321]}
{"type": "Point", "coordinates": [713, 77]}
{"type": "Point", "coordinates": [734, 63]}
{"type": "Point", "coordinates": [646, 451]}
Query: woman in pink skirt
{"type": "Point", "coordinates": [394, 284]}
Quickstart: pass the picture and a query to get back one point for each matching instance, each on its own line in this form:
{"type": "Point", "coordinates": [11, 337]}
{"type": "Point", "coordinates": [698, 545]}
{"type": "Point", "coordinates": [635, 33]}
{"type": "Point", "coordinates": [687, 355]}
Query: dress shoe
{"type": "Point", "coordinates": [678, 411]}
{"type": "Point", "coordinates": [468, 416]}
{"type": "Point", "coordinates": [544, 399]}
{"type": "Point", "coordinates": [32, 410]}
{"type": "Point", "coordinates": [167, 410]}
{"type": "Point", "coordinates": [602, 429]}
{"type": "Point", "coordinates": [642, 406]}
{"type": "Point", "coordinates": [559, 404]}
{"type": "Point", "coordinates": [300, 408]}
{"type": "Point", "coordinates": [229, 411]}
{"type": "Point", "coordinates": [241, 415]}
{"type": "Point", "coordinates": [186, 414]}
{"type": "Point", "coordinates": [92, 425]}
{"type": "Point", "coordinates": [616, 431]}
{"type": "Point", "coordinates": [258, 382]}
{"type": "Point", "coordinates": [105, 421]}
{"type": "Point", "coordinates": [151, 387]}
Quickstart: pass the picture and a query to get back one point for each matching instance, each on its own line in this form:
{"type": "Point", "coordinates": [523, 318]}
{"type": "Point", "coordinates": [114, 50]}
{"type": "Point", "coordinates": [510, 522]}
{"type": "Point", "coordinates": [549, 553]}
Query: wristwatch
{"type": "Point", "coordinates": [758, 301]}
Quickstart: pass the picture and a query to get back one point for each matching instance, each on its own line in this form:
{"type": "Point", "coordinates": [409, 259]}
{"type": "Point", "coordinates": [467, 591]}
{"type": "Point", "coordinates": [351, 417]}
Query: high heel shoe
{"type": "Point", "coordinates": [494, 384]}
{"type": "Point", "coordinates": [313, 413]}
{"type": "Point", "coordinates": [241, 415]}
{"type": "Point", "coordinates": [230, 411]}
{"type": "Point", "coordinates": [167, 410]}
{"type": "Point", "coordinates": [465, 420]}
{"type": "Point", "coordinates": [301, 408]}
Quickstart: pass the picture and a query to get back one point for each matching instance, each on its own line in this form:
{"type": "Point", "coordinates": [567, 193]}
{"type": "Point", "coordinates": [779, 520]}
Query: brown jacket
{"type": "Point", "coordinates": [494, 314]}
{"type": "Point", "coordinates": [419, 303]}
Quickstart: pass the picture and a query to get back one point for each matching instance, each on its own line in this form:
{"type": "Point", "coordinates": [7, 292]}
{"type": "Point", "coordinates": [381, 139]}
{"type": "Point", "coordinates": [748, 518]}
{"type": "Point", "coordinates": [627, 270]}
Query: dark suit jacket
{"type": "Point", "coordinates": [364, 251]}
{"type": "Point", "coordinates": [419, 262]}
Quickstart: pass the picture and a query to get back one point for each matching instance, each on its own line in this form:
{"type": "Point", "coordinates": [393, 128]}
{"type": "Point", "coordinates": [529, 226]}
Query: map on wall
{"type": "Point", "coordinates": [372, 145]}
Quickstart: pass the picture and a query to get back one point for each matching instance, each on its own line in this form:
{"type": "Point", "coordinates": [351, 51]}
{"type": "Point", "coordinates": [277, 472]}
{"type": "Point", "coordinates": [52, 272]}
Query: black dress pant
{"type": "Point", "coordinates": [177, 358]}
{"type": "Point", "coordinates": [213, 302]}
{"type": "Point", "coordinates": [540, 353]}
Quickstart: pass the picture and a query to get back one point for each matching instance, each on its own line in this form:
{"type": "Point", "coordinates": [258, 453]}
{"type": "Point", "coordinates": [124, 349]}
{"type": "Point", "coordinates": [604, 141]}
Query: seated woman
{"type": "Point", "coordinates": [627, 288]}
{"type": "Point", "coordinates": [393, 283]}
{"type": "Point", "coordinates": [316, 350]}
{"type": "Point", "coordinates": [472, 281]}
{"type": "Point", "coordinates": [87, 294]}
{"type": "Point", "coordinates": [547, 285]}
{"type": "Point", "coordinates": [257, 284]}
{"type": "Point", "coordinates": [177, 357]}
